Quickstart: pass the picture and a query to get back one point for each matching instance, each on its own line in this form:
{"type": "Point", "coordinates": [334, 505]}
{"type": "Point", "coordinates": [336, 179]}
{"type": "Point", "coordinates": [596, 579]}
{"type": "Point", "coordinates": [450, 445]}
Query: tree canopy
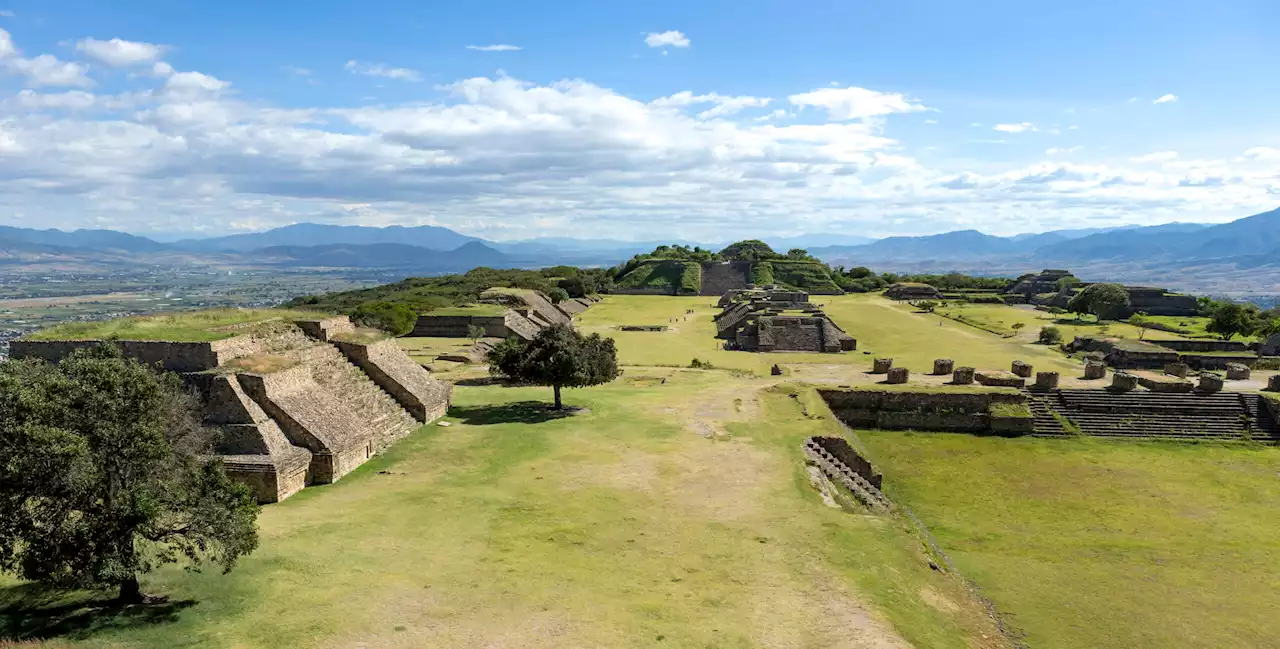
{"type": "Point", "coordinates": [749, 250]}
{"type": "Point", "coordinates": [395, 318]}
{"type": "Point", "coordinates": [1230, 319]}
{"type": "Point", "coordinates": [1104, 301]}
{"type": "Point", "coordinates": [558, 357]}
{"type": "Point", "coordinates": [105, 474]}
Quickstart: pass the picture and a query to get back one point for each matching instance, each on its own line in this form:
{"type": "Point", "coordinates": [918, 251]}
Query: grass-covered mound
{"type": "Point", "coordinates": [191, 326]}
{"type": "Point", "coordinates": [674, 276]}
{"type": "Point", "coordinates": [810, 276]}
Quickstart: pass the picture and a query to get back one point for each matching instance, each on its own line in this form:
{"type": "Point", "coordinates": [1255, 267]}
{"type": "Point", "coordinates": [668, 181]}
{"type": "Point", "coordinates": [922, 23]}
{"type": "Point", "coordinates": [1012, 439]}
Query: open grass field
{"type": "Point", "coordinates": [1003, 318]}
{"type": "Point", "coordinates": [198, 326]}
{"type": "Point", "coordinates": [675, 511]}
{"type": "Point", "coordinates": [673, 514]}
{"type": "Point", "coordinates": [1092, 543]}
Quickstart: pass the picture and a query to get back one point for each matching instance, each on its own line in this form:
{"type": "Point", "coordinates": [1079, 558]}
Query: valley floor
{"type": "Point", "coordinates": [675, 511]}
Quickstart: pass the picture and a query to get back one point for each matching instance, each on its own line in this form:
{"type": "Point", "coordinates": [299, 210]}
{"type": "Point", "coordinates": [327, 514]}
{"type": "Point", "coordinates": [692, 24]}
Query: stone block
{"type": "Point", "coordinates": [1210, 383]}
{"type": "Point", "coordinates": [962, 376]}
{"type": "Point", "coordinates": [996, 378]}
{"type": "Point", "coordinates": [898, 375]}
{"type": "Point", "coordinates": [1022, 369]}
{"type": "Point", "coordinates": [1273, 383]}
{"type": "Point", "coordinates": [1046, 380]}
{"type": "Point", "coordinates": [1123, 381]}
{"type": "Point", "coordinates": [1095, 370]}
{"type": "Point", "coordinates": [881, 365]}
{"type": "Point", "coordinates": [943, 366]}
{"type": "Point", "coordinates": [775, 370]}
{"type": "Point", "coordinates": [1179, 370]}
{"type": "Point", "coordinates": [1237, 371]}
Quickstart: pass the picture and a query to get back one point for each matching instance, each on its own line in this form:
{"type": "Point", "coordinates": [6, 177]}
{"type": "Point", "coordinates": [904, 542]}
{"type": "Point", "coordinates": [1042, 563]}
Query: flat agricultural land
{"type": "Point", "coordinates": [1096, 543]}
{"type": "Point", "coordinates": [194, 326]}
{"type": "Point", "coordinates": [675, 511]}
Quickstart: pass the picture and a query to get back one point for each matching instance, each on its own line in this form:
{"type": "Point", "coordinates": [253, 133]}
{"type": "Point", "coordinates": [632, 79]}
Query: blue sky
{"type": "Point", "coordinates": [637, 120]}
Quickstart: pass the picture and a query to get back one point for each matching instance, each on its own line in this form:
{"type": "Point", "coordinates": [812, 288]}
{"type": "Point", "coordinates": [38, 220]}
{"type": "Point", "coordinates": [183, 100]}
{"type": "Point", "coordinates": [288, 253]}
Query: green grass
{"type": "Point", "coordinates": [1009, 410]}
{"type": "Point", "coordinates": [1002, 319]}
{"type": "Point", "coordinates": [193, 326]}
{"type": "Point", "coordinates": [1089, 543]}
{"type": "Point", "coordinates": [686, 276]}
{"type": "Point", "coordinates": [470, 310]}
{"type": "Point", "coordinates": [617, 528]}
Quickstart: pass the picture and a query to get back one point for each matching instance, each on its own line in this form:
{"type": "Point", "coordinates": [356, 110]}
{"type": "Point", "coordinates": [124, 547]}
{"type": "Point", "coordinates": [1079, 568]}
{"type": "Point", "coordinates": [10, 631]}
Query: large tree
{"type": "Point", "coordinates": [1102, 300]}
{"type": "Point", "coordinates": [1230, 319]}
{"type": "Point", "coordinates": [105, 474]}
{"type": "Point", "coordinates": [559, 357]}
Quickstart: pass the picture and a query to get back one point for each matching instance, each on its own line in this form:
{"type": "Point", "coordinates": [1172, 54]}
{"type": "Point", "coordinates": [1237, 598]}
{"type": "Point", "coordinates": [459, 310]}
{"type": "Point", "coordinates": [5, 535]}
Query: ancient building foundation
{"type": "Point", "coordinates": [963, 376]}
{"type": "Point", "coordinates": [897, 375]}
{"type": "Point", "coordinates": [1095, 370]}
{"type": "Point", "coordinates": [881, 365]}
{"type": "Point", "coordinates": [997, 378]}
{"type": "Point", "coordinates": [1179, 370]}
{"type": "Point", "coordinates": [1273, 383]}
{"type": "Point", "coordinates": [1238, 372]}
{"type": "Point", "coordinates": [1210, 383]}
{"type": "Point", "coordinates": [1021, 369]}
{"type": "Point", "coordinates": [1046, 380]}
{"type": "Point", "coordinates": [943, 366]}
{"type": "Point", "coordinates": [1123, 382]}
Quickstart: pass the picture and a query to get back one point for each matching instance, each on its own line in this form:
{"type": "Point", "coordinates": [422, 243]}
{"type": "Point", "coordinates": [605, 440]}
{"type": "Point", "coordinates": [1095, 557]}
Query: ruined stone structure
{"type": "Point", "coordinates": [912, 291]}
{"type": "Point", "coordinates": [897, 375]}
{"type": "Point", "coordinates": [963, 376]}
{"type": "Point", "coordinates": [997, 378]}
{"type": "Point", "coordinates": [1147, 299]}
{"type": "Point", "coordinates": [719, 278]}
{"type": "Point", "coordinates": [526, 313]}
{"type": "Point", "coordinates": [1123, 381]}
{"type": "Point", "coordinates": [1237, 372]}
{"type": "Point", "coordinates": [1022, 369]}
{"type": "Point", "coordinates": [1204, 413]}
{"type": "Point", "coordinates": [1179, 370]}
{"type": "Point", "coordinates": [1046, 281]}
{"type": "Point", "coordinates": [1270, 346]}
{"type": "Point", "coordinates": [767, 320]}
{"type": "Point", "coordinates": [1046, 381]}
{"type": "Point", "coordinates": [1095, 370]}
{"type": "Point", "coordinates": [931, 411]}
{"type": "Point", "coordinates": [296, 403]}
{"type": "Point", "coordinates": [881, 365]}
{"type": "Point", "coordinates": [943, 366]}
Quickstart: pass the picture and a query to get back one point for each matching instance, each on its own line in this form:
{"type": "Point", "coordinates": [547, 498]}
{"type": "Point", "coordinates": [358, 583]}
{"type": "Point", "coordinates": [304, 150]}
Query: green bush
{"type": "Point", "coordinates": [558, 295]}
{"type": "Point", "coordinates": [395, 318]}
{"type": "Point", "coordinates": [1050, 335]}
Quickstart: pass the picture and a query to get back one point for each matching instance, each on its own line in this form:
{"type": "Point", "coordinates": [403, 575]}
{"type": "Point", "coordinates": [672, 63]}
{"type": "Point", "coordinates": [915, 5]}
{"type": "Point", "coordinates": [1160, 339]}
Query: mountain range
{"type": "Point", "coordinates": [1244, 254]}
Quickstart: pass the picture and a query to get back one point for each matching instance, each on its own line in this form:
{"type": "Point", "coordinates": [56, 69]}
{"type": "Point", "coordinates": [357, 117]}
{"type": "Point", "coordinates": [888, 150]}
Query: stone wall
{"type": "Point", "coordinates": [900, 410]}
{"type": "Point", "coordinates": [426, 398]}
{"type": "Point", "coordinates": [458, 326]}
{"type": "Point", "coordinates": [326, 329]}
{"type": "Point", "coordinates": [1202, 345]}
{"type": "Point", "coordinates": [171, 356]}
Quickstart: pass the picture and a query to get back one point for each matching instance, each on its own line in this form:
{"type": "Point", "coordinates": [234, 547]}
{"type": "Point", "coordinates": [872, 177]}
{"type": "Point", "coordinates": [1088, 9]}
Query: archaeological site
{"type": "Point", "coordinates": [769, 319]}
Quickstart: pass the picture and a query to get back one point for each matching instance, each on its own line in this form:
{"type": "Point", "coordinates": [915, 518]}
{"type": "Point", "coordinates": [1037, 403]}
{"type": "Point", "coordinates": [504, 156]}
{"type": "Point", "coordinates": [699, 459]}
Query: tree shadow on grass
{"type": "Point", "coordinates": [35, 612]}
{"type": "Point", "coordinates": [523, 412]}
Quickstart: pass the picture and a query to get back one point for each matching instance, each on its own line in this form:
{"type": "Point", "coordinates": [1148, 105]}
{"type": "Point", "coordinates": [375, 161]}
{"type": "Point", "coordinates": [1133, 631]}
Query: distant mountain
{"type": "Point", "coordinates": [962, 244]}
{"type": "Point", "coordinates": [80, 239]}
{"type": "Point", "coordinates": [1254, 235]}
{"type": "Point", "coordinates": [315, 234]}
{"type": "Point", "coordinates": [806, 241]}
{"type": "Point", "coordinates": [387, 255]}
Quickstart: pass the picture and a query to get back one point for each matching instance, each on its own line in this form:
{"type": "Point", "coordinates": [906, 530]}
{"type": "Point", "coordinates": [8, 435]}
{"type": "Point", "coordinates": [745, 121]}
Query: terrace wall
{"type": "Point", "coordinates": [425, 398]}
{"type": "Point", "coordinates": [900, 410]}
{"type": "Point", "coordinates": [458, 326]}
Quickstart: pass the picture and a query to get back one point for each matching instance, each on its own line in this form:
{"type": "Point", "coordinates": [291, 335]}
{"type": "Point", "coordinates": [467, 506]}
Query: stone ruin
{"type": "Point", "coordinates": [771, 320]}
{"type": "Point", "coordinates": [912, 291]}
{"type": "Point", "coordinates": [1042, 289]}
{"type": "Point", "coordinates": [1046, 281]}
{"type": "Point", "coordinates": [524, 313]}
{"type": "Point", "coordinates": [898, 375]}
{"type": "Point", "coordinates": [297, 403]}
{"type": "Point", "coordinates": [943, 366]}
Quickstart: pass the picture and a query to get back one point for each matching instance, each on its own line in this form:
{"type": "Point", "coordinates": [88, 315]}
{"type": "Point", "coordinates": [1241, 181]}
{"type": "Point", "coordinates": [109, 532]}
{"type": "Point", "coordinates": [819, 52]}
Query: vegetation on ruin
{"type": "Point", "coordinates": [680, 267]}
{"type": "Point", "coordinates": [1079, 542]}
{"type": "Point", "coordinates": [479, 309]}
{"type": "Point", "coordinates": [684, 277]}
{"type": "Point", "coordinates": [394, 318]}
{"type": "Point", "coordinates": [1009, 410]}
{"type": "Point", "coordinates": [105, 476]}
{"type": "Point", "coordinates": [190, 326]}
{"type": "Point", "coordinates": [1103, 301]}
{"type": "Point", "coordinates": [425, 294]}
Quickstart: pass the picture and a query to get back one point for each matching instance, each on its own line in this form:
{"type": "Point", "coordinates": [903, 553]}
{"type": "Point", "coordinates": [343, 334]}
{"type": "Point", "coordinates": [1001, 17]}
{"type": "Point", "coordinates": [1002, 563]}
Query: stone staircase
{"type": "Point", "coordinates": [1222, 416]}
{"type": "Point", "coordinates": [718, 278]}
{"type": "Point", "coordinates": [387, 420]}
{"type": "Point", "coordinates": [1041, 406]}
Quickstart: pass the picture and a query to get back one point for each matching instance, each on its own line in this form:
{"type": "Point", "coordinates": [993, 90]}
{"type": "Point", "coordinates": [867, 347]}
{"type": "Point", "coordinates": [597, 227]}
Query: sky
{"type": "Point", "coordinates": [697, 120]}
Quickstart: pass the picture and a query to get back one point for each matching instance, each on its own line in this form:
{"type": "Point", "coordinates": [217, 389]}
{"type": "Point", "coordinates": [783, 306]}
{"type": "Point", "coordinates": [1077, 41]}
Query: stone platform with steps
{"type": "Point", "coordinates": [1228, 416]}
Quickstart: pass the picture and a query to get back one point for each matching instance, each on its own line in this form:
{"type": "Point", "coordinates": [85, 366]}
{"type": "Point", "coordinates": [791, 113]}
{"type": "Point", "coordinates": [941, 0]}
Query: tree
{"type": "Point", "coordinates": [1230, 319]}
{"type": "Point", "coordinates": [559, 357]}
{"type": "Point", "coordinates": [395, 318]}
{"type": "Point", "coordinates": [798, 254]}
{"type": "Point", "coordinates": [105, 474]}
{"type": "Point", "coordinates": [1067, 282]}
{"type": "Point", "coordinates": [928, 306]}
{"type": "Point", "coordinates": [1142, 322]}
{"type": "Point", "coordinates": [1102, 300]}
{"type": "Point", "coordinates": [576, 286]}
{"type": "Point", "coordinates": [749, 250]}
{"type": "Point", "coordinates": [1268, 327]}
{"type": "Point", "coordinates": [859, 272]}
{"type": "Point", "coordinates": [557, 295]}
{"type": "Point", "coordinates": [475, 332]}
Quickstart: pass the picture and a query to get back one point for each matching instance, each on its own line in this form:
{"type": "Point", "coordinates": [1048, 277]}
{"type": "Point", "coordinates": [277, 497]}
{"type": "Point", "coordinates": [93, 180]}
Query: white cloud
{"type": "Point", "coordinates": [6, 45]}
{"type": "Point", "coordinates": [47, 70]}
{"type": "Point", "coordinates": [670, 38]}
{"type": "Point", "coordinates": [119, 53]}
{"type": "Point", "coordinates": [194, 82]}
{"type": "Point", "coordinates": [724, 105]}
{"type": "Point", "coordinates": [5, 13]}
{"type": "Point", "coordinates": [162, 69]}
{"type": "Point", "coordinates": [1073, 127]}
{"type": "Point", "coordinates": [849, 103]}
{"type": "Point", "coordinates": [1158, 156]}
{"type": "Point", "coordinates": [1262, 153]}
{"type": "Point", "coordinates": [296, 71]}
{"type": "Point", "coordinates": [1166, 99]}
{"type": "Point", "coordinates": [382, 70]}
{"type": "Point", "coordinates": [931, 121]}
{"type": "Point", "coordinates": [1021, 127]}
{"type": "Point", "coordinates": [494, 48]}
{"type": "Point", "coordinates": [1061, 150]}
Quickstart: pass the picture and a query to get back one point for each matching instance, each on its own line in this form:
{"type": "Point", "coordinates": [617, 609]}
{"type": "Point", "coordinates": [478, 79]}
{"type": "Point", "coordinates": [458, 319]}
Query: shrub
{"type": "Point", "coordinates": [558, 295]}
{"type": "Point", "coordinates": [1050, 335]}
{"type": "Point", "coordinates": [392, 317]}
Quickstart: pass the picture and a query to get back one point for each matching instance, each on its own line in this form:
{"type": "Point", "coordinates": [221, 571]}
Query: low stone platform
{"type": "Point", "coordinates": [999, 378]}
